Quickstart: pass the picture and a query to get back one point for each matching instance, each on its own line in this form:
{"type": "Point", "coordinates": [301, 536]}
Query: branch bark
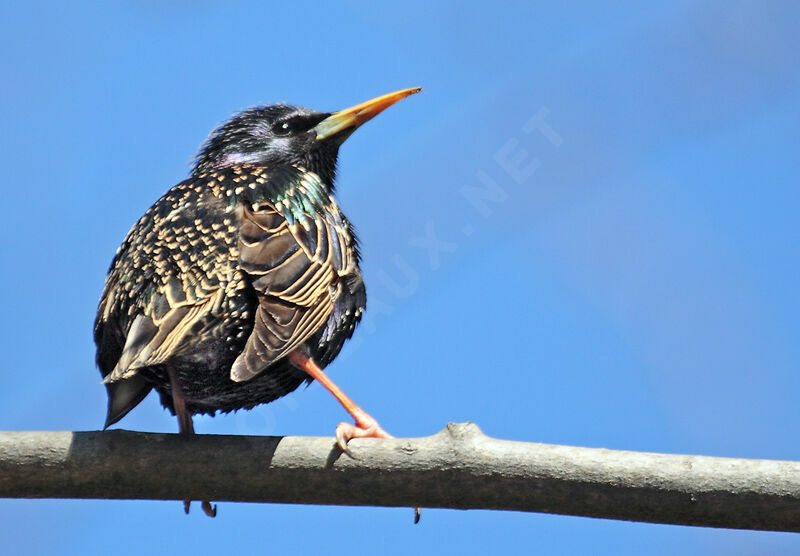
{"type": "Point", "coordinates": [459, 467]}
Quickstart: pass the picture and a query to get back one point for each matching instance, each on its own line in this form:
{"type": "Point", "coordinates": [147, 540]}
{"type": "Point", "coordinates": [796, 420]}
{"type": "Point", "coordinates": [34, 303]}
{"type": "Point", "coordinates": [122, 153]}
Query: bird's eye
{"type": "Point", "coordinates": [286, 127]}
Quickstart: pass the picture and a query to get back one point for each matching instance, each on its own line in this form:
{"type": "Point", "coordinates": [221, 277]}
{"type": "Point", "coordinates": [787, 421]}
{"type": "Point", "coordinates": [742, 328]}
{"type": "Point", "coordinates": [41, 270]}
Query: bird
{"type": "Point", "coordinates": [241, 282]}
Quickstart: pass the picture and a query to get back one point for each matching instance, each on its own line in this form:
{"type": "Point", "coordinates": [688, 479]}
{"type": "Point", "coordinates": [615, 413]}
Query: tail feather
{"type": "Point", "coordinates": [124, 395]}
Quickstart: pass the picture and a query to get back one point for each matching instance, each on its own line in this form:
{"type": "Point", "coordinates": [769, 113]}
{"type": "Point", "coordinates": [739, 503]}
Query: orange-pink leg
{"type": "Point", "coordinates": [186, 427]}
{"type": "Point", "coordinates": [365, 427]}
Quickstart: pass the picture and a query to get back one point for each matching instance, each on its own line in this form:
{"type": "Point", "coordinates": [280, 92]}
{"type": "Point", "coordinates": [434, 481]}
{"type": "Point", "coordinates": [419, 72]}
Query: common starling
{"type": "Point", "coordinates": [243, 281]}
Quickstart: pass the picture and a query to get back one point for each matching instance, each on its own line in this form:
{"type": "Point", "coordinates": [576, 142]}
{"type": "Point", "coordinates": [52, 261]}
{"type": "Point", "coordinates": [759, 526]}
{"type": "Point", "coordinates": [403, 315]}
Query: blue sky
{"type": "Point", "coordinates": [631, 283]}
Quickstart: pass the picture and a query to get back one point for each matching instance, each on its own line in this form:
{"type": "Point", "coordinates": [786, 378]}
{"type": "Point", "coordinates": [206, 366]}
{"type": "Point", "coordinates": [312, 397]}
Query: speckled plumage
{"type": "Point", "coordinates": [217, 253]}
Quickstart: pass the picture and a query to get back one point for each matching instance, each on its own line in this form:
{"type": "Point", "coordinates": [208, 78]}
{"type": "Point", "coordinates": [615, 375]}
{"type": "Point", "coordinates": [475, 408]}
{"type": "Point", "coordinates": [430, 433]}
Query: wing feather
{"type": "Point", "coordinates": [286, 248]}
{"type": "Point", "coordinates": [163, 282]}
{"type": "Point", "coordinates": [280, 230]}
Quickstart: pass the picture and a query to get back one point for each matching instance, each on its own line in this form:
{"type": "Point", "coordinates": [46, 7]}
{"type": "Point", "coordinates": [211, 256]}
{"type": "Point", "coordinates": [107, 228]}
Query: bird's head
{"type": "Point", "coordinates": [283, 134]}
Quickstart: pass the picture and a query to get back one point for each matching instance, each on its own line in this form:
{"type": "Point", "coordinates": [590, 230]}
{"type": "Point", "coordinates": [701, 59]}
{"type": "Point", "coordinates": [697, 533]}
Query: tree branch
{"type": "Point", "coordinates": [459, 467]}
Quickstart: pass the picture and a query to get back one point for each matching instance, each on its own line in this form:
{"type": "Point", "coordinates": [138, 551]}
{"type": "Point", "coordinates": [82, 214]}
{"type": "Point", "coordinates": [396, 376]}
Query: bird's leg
{"type": "Point", "coordinates": [186, 428]}
{"type": "Point", "coordinates": [185, 425]}
{"type": "Point", "coordinates": [366, 425]}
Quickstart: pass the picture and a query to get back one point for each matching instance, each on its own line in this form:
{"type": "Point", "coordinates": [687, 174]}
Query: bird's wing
{"type": "Point", "coordinates": [168, 277]}
{"type": "Point", "coordinates": [153, 338]}
{"type": "Point", "coordinates": [294, 244]}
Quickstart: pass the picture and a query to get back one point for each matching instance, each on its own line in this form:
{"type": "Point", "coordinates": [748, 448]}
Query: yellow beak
{"type": "Point", "coordinates": [351, 118]}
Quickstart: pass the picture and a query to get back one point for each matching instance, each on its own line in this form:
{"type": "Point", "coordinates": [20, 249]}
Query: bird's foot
{"type": "Point", "coordinates": [366, 427]}
{"type": "Point", "coordinates": [208, 509]}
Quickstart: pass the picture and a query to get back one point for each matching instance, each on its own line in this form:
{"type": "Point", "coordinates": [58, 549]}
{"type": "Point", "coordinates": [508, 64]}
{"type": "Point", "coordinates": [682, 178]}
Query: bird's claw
{"type": "Point", "coordinates": [208, 509]}
{"type": "Point", "coordinates": [366, 427]}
